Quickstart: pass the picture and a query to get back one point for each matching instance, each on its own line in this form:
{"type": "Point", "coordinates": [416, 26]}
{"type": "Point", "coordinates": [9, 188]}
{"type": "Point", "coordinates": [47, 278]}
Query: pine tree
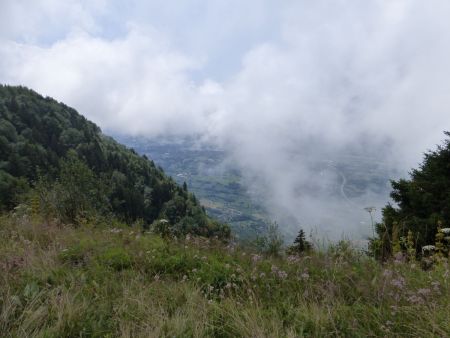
{"type": "Point", "coordinates": [300, 243]}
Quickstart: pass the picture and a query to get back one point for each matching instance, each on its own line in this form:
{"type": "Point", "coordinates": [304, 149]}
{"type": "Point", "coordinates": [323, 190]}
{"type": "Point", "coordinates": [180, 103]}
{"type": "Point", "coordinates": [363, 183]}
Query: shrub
{"type": "Point", "coordinates": [116, 258]}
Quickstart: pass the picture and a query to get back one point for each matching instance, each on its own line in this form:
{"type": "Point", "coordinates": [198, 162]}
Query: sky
{"type": "Point", "coordinates": [279, 85]}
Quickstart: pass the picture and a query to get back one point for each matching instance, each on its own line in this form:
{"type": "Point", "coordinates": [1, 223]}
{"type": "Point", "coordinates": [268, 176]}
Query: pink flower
{"type": "Point", "coordinates": [256, 258]}
{"type": "Point", "coordinates": [292, 259]}
{"type": "Point", "coordinates": [282, 274]}
{"type": "Point", "coordinates": [398, 283]}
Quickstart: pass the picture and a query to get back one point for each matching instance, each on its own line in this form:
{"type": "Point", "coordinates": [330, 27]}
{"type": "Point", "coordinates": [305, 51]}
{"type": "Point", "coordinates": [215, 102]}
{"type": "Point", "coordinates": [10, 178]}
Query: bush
{"type": "Point", "coordinates": [272, 243]}
{"type": "Point", "coordinates": [116, 258]}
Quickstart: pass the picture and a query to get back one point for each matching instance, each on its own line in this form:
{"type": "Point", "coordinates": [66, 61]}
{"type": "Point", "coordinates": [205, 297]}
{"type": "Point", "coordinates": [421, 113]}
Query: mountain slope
{"type": "Point", "coordinates": [43, 140]}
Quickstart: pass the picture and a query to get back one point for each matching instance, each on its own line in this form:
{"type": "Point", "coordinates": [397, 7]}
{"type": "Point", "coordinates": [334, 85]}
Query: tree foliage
{"type": "Point", "coordinates": [301, 244]}
{"type": "Point", "coordinates": [423, 203]}
{"type": "Point", "coordinates": [85, 169]}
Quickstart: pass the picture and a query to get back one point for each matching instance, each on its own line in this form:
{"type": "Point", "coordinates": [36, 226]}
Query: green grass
{"type": "Point", "coordinates": [60, 281]}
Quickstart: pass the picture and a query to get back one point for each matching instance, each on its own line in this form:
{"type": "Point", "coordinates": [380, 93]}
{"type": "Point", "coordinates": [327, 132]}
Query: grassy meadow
{"type": "Point", "coordinates": [111, 280]}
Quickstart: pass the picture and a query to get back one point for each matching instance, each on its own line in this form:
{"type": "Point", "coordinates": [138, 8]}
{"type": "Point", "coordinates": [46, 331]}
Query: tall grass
{"type": "Point", "coordinates": [60, 281]}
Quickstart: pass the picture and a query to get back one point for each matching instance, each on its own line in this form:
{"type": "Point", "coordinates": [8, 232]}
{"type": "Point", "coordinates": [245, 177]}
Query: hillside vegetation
{"type": "Point", "coordinates": [110, 280]}
{"type": "Point", "coordinates": [61, 163]}
{"type": "Point", "coordinates": [420, 220]}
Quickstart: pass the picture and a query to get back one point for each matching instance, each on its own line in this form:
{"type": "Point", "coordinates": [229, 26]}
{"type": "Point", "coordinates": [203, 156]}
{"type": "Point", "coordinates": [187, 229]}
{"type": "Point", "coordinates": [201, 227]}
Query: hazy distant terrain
{"type": "Point", "coordinates": [352, 181]}
{"type": "Point", "coordinates": [218, 185]}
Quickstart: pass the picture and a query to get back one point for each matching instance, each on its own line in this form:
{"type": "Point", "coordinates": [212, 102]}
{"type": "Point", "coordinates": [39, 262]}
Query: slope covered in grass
{"type": "Point", "coordinates": [113, 280]}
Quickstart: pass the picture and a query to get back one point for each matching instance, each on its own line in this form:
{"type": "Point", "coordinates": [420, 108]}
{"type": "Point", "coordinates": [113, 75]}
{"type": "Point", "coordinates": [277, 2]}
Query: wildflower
{"type": "Point", "coordinates": [262, 275]}
{"type": "Point", "coordinates": [435, 285]}
{"type": "Point", "coordinates": [228, 285]}
{"type": "Point", "coordinates": [292, 259]}
{"type": "Point", "coordinates": [424, 292]}
{"type": "Point", "coordinates": [387, 273]}
{"type": "Point", "coordinates": [446, 231]}
{"type": "Point", "coordinates": [428, 248]}
{"type": "Point", "coordinates": [194, 270]}
{"type": "Point", "coordinates": [415, 299]}
{"type": "Point", "coordinates": [184, 278]}
{"type": "Point", "coordinates": [231, 247]}
{"type": "Point", "coordinates": [156, 278]}
{"type": "Point", "coordinates": [256, 258]}
{"type": "Point", "coordinates": [398, 283]}
{"type": "Point", "coordinates": [305, 275]}
{"type": "Point", "coordinates": [394, 309]}
{"type": "Point", "coordinates": [282, 274]}
{"type": "Point", "coordinates": [399, 258]}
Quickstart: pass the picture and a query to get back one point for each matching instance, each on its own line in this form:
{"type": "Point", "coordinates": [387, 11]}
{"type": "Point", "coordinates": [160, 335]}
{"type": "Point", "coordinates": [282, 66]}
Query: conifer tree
{"type": "Point", "coordinates": [300, 243]}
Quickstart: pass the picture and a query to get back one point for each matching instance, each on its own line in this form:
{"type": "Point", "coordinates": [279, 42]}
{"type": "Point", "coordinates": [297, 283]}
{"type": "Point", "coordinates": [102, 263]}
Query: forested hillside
{"type": "Point", "coordinates": [61, 162]}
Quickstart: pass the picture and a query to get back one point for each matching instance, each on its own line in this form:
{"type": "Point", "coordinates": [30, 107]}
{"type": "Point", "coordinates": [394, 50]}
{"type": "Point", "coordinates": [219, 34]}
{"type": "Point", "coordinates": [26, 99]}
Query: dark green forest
{"type": "Point", "coordinates": [54, 158]}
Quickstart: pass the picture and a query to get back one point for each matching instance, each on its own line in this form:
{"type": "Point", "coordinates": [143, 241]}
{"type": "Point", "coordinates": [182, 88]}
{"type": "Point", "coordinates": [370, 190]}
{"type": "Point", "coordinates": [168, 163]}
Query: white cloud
{"type": "Point", "coordinates": [136, 83]}
{"type": "Point", "coordinates": [44, 20]}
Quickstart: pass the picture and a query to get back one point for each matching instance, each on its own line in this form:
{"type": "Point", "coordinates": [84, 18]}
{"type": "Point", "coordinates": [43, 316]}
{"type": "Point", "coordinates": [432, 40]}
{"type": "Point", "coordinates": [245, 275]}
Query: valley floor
{"type": "Point", "coordinates": [108, 280]}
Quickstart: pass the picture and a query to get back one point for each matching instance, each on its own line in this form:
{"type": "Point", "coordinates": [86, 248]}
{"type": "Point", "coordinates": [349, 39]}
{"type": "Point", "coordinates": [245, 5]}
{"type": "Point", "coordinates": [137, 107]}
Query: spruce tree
{"type": "Point", "coordinates": [300, 243]}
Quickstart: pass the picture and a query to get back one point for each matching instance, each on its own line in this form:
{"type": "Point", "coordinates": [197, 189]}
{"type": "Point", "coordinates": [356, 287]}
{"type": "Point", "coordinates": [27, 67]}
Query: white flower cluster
{"type": "Point", "coordinates": [428, 248]}
{"type": "Point", "coordinates": [446, 231]}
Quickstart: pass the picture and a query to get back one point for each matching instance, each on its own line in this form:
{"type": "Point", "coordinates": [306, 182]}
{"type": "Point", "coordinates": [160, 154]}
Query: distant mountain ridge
{"type": "Point", "coordinates": [42, 137]}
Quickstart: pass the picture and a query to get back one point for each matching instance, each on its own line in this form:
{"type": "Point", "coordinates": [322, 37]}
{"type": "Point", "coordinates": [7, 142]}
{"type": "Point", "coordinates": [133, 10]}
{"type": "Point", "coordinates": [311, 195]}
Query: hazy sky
{"type": "Point", "coordinates": [279, 84]}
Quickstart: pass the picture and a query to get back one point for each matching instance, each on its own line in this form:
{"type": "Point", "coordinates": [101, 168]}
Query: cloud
{"type": "Point", "coordinates": [338, 88]}
{"type": "Point", "coordinates": [44, 20]}
{"type": "Point", "coordinates": [135, 83]}
{"type": "Point", "coordinates": [348, 78]}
